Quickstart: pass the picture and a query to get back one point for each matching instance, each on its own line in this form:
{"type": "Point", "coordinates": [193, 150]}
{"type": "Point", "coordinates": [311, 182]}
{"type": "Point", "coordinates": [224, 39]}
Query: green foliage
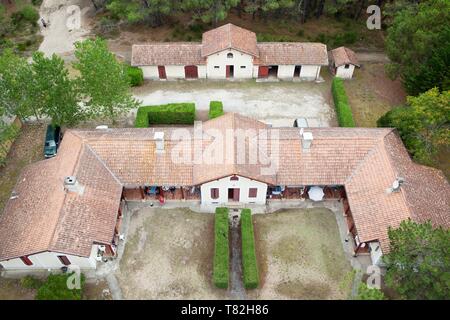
{"type": "Point", "coordinates": [418, 43]}
{"type": "Point", "coordinates": [221, 249]}
{"type": "Point", "coordinates": [418, 262]}
{"type": "Point", "coordinates": [36, 2]}
{"type": "Point", "coordinates": [53, 92]}
{"type": "Point", "coordinates": [366, 293]}
{"type": "Point", "coordinates": [174, 113]}
{"type": "Point", "coordinates": [249, 261]}
{"type": "Point", "coordinates": [151, 11]}
{"type": "Point", "coordinates": [136, 76]}
{"type": "Point", "coordinates": [28, 14]}
{"type": "Point", "coordinates": [215, 109]}
{"type": "Point", "coordinates": [30, 282]}
{"type": "Point", "coordinates": [423, 124]}
{"type": "Point", "coordinates": [104, 83]}
{"type": "Point", "coordinates": [343, 110]}
{"type": "Point", "coordinates": [55, 288]}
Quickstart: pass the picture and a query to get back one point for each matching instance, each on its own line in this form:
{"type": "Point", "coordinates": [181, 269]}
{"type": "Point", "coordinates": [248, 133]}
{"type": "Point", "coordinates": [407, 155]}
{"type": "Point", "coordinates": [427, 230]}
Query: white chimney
{"type": "Point", "coordinates": [307, 139]}
{"type": "Point", "coordinates": [159, 140]}
{"type": "Point", "coordinates": [71, 184]}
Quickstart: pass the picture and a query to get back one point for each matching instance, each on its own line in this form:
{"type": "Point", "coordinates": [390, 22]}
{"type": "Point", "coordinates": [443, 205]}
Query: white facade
{"type": "Point", "coordinates": [49, 260]}
{"type": "Point", "coordinates": [286, 71]}
{"type": "Point", "coordinates": [345, 73]}
{"type": "Point", "coordinates": [310, 72]}
{"type": "Point", "coordinates": [216, 64]}
{"type": "Point", "coordinates": [243, 184]}
{"type": "Point", "coordinates": [172, 72]}
{"type": "Point", "coordinates": [150, 72]}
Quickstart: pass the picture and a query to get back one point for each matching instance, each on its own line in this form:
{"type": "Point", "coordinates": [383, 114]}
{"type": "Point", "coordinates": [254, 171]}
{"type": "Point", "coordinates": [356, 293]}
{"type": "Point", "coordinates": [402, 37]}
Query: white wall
{"type": "Point", "coordinates": [220, 59]}
{"type": "Point", "coordinates": [286, 71]}
{"type": "Point", "coordinates": [243, 184]}
{"type": "Point", "coordinates": [150, 72]}
{"type": "Point", "coordinates": [343, 73]}
{"type": "Point", "coordinates": [201, 71]}
{"type": "Point", "coordinates": [49, 260]}
{"type": "Point", "coordinates": [310, 72]}
{"type": "Point", "coordinates": [175, 72]}
{"type": "Point", "coordinates": [255, 71]}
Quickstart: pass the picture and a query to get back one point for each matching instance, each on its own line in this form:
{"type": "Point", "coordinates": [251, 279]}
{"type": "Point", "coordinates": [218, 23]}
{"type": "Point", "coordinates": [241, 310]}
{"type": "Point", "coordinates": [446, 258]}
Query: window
{"type": "Point", "coordinates": [252, 192]}
{"type": "Point", "coordinates": [26, 260]}
{"type": "Point", "coordinates": [214, 193]}
{"type": "Point", "coordinates": [243, 67]}
{"type": "Point", "coordinates": [64, 260]}
{"type": "Point", "coordinates": [230, 55]}
{"type": "Point", "coordinates": [347, 66]}
{"type": "Point", "coordinates": [216, 67]}
{"type": "Point", "coordinates": [234, 178]}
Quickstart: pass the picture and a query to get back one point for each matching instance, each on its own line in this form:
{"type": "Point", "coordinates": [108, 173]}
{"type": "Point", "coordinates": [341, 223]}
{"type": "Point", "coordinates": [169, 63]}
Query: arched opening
{"type": "Point", "coordinates": [230, 55]}
{"type": "Point", "coordinates": [234, 178]}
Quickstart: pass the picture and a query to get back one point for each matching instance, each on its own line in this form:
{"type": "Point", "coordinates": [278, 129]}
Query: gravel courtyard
{"type": "Point", "coordinates": [278, 103]}
{"type": "Point", "coordinates": [169, 253]}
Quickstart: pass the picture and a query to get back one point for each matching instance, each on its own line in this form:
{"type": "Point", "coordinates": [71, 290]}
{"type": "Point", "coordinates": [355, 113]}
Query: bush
{"type": "Point", "coordinates": [36, 2]}
{"type": "Point", "coordinates": [215, 109]}
{"type": "Point", "coordinates": [249, 262]}
{"type": "Point", "coordinates": [55, 288]}
{"type": "Point", "coordinates": [30, 282]}
{"type": "Point", "coordinates": [343, 111]}
{"type": "Point", "coordinates": [27, 14]}
{"type": "Point", "coordinates": [174, 113]}
{"type": "Point", "coordinates": [221, 249]}
{"type": "Point", "coordinates": [366, 293]}
{"type": "Point", "coordinates": [136, 76]}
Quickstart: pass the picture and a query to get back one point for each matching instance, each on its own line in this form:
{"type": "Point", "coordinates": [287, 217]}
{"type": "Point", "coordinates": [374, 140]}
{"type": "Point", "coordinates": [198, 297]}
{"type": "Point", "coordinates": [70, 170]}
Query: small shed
{"type": "Point", "coordinates": [343, 62]}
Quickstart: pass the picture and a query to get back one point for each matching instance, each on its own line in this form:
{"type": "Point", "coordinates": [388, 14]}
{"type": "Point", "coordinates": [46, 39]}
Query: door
{"type": "Point", "coordinates": [191, 72]}
{"type": "Point", "coordinates": [230, 71]}
{"type": "Point", "coordinates": [162, 72]}
{"type": "Point", "coordinates": [263, 71]}
{"type": "Point", "coordinates": [233, 194]}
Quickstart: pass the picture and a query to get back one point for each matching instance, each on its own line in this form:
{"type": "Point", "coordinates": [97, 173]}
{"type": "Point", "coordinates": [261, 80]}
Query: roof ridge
{"type": "Point", "coordinates": [103, 164]}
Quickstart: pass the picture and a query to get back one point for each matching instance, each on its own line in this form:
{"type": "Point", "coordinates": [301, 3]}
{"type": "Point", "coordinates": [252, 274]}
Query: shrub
{"type": "Point", "coordinates": [366, 293]}
{"type": "Point", "coordinates": [215, 109]}
{"type": "Point", "coordinates": [36, 2]}
{"type": "Point", "coordinates": [249, 262]}
{"type": "Point", "coordinates": [55, 288]}
{"type": "Point", "coordinates": [343, 111]}
{"type": "Point", "coordinates": [136, 76]}
{"type": "Point", "coordinates": [174, 113]}
{"type": "Point", "coordinates": [27, 14]}
{"type": "Point", "coordinates": [221, 249]}
{"type": "Point", "coordinates": [30, 282]}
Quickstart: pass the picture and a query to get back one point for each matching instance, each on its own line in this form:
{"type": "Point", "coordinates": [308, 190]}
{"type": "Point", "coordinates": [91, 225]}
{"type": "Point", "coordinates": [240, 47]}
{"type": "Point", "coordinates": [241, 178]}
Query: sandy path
{"type": "Point", "coordinates": [58, 37]}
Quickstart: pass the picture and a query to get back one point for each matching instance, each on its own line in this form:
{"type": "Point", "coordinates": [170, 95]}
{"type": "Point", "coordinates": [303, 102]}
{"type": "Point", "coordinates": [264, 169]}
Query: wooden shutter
{"type": "Point", "coordinates": [252, 192]}
{"type": "Point", "coordinates": [64, 260]}
{"type": "Point", "coordinates": [26, 260]}
{"type": "Point", "coordinates": [214, 193]}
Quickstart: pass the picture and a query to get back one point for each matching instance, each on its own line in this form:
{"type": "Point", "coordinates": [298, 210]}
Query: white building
{"type": "Point", "coordinates": [230, 52]}
{"type": "Point", "coordinates": [343, 62]}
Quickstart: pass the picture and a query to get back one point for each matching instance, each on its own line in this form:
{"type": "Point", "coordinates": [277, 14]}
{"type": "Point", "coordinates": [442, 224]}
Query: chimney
{"type": "Point", "coordinates": [307, 139]}
{"type": "Point", "coordinates": [395, 185]}
{"type": "Point", "coordinates": [71, 184]}
{"type": "Point", "coordinates": [159, 141]}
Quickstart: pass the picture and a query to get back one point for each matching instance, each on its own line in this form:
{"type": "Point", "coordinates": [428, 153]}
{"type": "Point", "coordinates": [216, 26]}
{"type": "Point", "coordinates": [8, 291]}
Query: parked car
{"type": "Point", "coordinates": [301, 123]}
{"type": "Point", "coordinates": [52, 140]}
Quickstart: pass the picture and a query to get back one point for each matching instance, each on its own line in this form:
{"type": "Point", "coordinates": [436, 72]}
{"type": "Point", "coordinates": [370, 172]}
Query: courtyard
{"type": "Point", "coordinates": [277, 103]}
{"type": "Point", "coordinates": [169, 252]}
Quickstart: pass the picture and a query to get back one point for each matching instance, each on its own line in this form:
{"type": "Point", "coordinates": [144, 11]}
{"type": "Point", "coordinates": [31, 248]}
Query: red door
{"type": "Point", "coordinates": [162, 72]}
{"type": "Point", "coordinates": [236, 194]}
{"type": "Point", "coordinates": [263, 71]}
{"type": "Point", "coordinates": [191, 72]}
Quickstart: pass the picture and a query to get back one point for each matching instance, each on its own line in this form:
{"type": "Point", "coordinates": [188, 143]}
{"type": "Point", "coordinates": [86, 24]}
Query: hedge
{"type": "Point", "coordinates": [343, 110]}
{"type": "Point", "coordinates": [221, 249]}
{"type": "Point", "coordinates": [55, 288]}
{"type": "Point", "coordinates": [249, 262]}
{"type": "Point", "coordinates": [215, 109]}
{"type": "Point", "coordinates": [175, 113]}
{"type": "Point", "coordinates": [135, 75]}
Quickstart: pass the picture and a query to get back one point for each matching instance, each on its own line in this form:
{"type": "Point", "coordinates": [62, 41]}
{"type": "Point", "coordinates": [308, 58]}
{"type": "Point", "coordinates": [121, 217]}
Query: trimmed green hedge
{"type": "Point", "coordinates": [343, 110]}
{"type": "Point", "coordinates": [249, 262]}
{"type": "Point", "coordinates": [221, 249]}
{"type": "Point", "coordinates": [136, 76]}
{"type": "Point", "coordinates": [215, 109]}
{"type": "Point", "coordinates": [174, 113]}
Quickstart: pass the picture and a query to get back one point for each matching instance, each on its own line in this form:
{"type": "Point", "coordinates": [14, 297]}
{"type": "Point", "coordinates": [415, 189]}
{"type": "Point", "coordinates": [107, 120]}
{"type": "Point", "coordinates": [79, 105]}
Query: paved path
{"type": "Point", "coordinates": [236, 286]}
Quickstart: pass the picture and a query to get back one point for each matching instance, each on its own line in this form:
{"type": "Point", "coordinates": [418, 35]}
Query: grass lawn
{"type": "Point", "coordinates": [300, 256]}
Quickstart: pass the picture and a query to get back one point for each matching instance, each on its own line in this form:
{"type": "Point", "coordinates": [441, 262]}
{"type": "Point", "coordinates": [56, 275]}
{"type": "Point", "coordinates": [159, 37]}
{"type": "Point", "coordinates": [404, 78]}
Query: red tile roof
{"type": "Point", "coordinates": [165, 54]}
{"type": "Point", "coordinates": [229, 36]}
{"type": "Point", "coordinates": [342, 56]}
{"type": "Point", "coordinates": [292, 53]}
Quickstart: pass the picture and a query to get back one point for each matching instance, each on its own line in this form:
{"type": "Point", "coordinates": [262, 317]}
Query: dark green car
{"type": "Point", "coordinates": [52, 140]}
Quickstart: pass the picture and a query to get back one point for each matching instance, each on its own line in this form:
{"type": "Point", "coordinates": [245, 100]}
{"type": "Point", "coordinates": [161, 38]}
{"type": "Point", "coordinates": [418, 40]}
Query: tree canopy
{"type": "Point", "coordinates": [418, 44]}
{"type": "Point", "coordinates": [423, 124]}
{"type": "Point", "coordinates": [103, 83]}
{"type": "Point", "coordinates": [418, 263]}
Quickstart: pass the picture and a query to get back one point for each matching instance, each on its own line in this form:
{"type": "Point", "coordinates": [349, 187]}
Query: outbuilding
{"type": "Point", "coordinates": [343, 62]}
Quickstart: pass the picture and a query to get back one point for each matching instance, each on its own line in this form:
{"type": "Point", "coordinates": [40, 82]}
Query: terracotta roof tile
{"type": "Point", "coordinates": [342, 56]}
{"type": "Point", "coordinates": [292, 53]}
{"type": "Point", "coordinates": [164, 54]}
